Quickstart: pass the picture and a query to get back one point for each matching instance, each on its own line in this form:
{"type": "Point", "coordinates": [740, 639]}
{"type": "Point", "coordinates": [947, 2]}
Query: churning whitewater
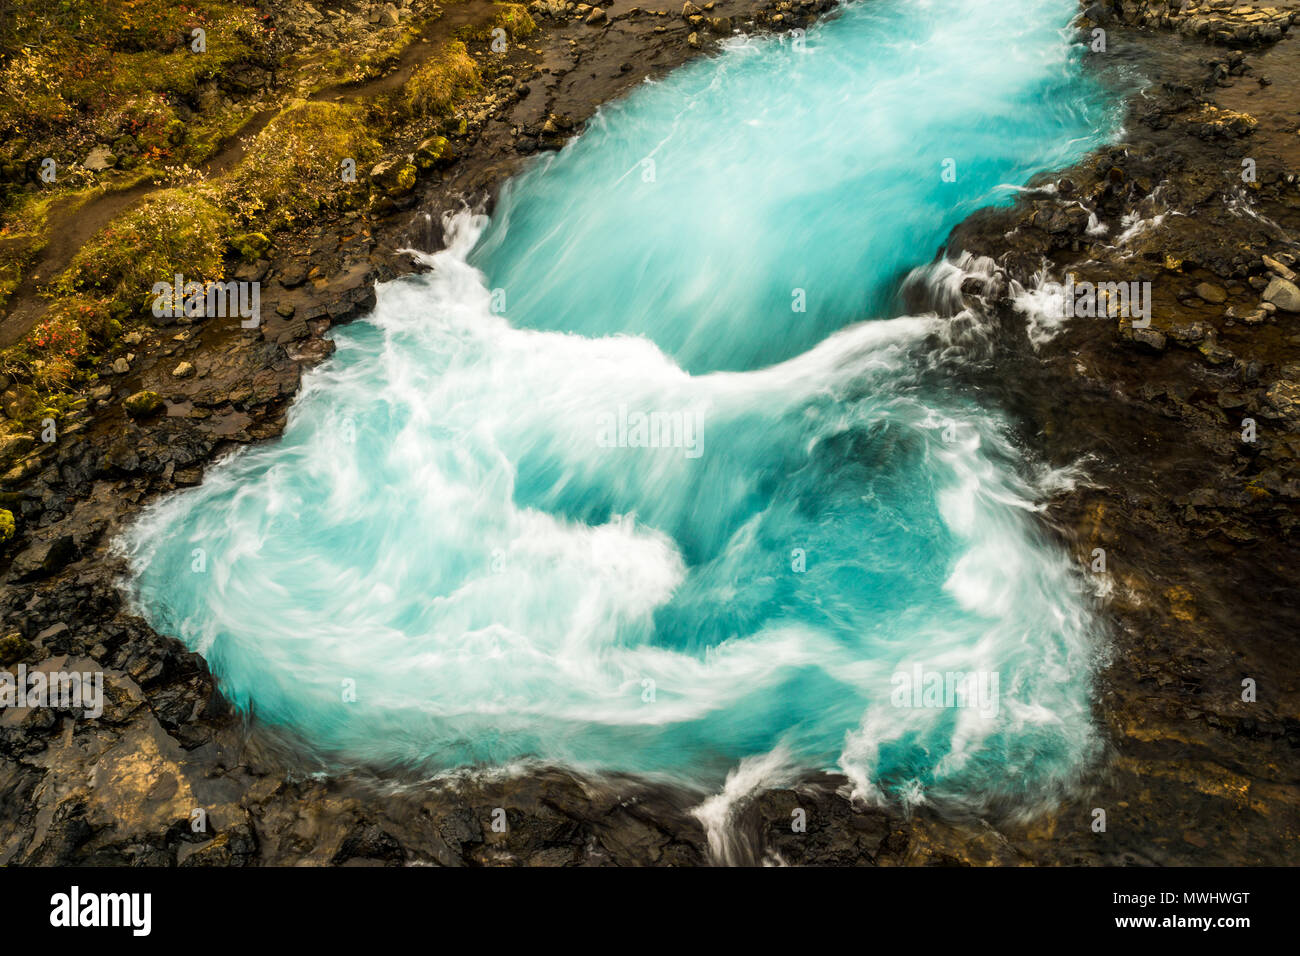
{"type": "Point", "coordinates": [643, 476]}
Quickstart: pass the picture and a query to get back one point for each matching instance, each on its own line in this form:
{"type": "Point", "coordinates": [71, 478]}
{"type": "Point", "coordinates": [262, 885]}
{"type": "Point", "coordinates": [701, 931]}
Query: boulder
{"type": "Point", "coordinates": [436, 152]}
{"type": "Point", "coordinates": [1283, 294]}
{"type": "Point", "coordinates": [1149, 339]}
{"type": "Point", "coordinates": [143, 404]}
{"type": "Point", "coordinates": [393, 177]}
{"type": "Point", "coordinates": [99, 159]}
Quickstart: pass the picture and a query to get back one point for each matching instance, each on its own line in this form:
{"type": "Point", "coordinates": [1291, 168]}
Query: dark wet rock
{"type": "Point", "coordinates": [370, 843]}
{"type": "Point", "coordinates": [44, 558]}
{"type": "Point", "coordinates": [1149, 339]}
{"type": "Point", "coordinates": [1189, 335]}
{"type": "Point", "coordinates": [1284, 398]}
{"type": "Point", "coordinates": [1214, 354]}
{"type": "Point", "coordinates": [294, 274]}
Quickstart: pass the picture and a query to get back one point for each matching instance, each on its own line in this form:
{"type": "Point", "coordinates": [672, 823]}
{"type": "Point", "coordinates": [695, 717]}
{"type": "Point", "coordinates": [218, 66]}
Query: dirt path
{"type": "Point", "coordinates": [72, 226]}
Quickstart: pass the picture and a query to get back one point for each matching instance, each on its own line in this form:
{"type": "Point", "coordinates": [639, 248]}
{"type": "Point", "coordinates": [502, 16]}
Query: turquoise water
{"type": "Point", "coordinates": [463, 527]}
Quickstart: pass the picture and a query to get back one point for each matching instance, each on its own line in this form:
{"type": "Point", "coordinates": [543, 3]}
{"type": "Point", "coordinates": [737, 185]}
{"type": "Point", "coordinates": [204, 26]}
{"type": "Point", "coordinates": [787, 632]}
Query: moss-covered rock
{"type": "Point", "coordinates": [436, 152]}
{"type": "Point", "coordinates": [7, 526]}
{"type": "Point", "coordinates": [393, 177]}
{"type": "Point", "coordinates": [13, 648]}
{"type": "Point", "coordinates": [250, 246]}
{"type": "Point", "coordinates": [143, 404]}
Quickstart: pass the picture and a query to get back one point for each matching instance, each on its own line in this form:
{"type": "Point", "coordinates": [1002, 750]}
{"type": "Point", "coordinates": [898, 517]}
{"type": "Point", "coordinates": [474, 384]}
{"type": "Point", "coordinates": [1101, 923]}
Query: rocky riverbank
{"type": "Point", "coordinates": [1197, 525]}
{"type": "Point", "coordinates": [155, 399]}
{"type": "Point", "coordinates": [1188, 430]}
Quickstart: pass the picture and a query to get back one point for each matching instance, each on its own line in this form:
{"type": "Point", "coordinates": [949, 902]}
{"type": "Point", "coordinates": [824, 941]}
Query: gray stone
{"type": "Point", "coordinates": [99, 159]}
{"type": "Point", "coordinates": [1150, 339]}
{"type": "Point", "coordinates": [1283, 294]}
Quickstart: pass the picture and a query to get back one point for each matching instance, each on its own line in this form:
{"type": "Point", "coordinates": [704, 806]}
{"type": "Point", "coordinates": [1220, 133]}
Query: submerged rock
{"type": "Point", "coordinates": [1209, 292]}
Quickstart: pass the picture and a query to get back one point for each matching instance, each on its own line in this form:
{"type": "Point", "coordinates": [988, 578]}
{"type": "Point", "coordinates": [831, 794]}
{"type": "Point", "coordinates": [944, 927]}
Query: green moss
{"type": "Point", "coordinates": [516, 21]}
{"type": "Point", "coordinates": [294, 166]}
{"type": "Point", "coordinates": [336, 67]}
{"type": "Point", "coordinates": [174, 231]}
{"type": "Point", "coordinates": [514, 18]}
{"type": "Point", "coordinates": [85, 71]}
{"type": "Point", "coordinates": [442, 81]}
{"type": "Point", "coordinates": [434, 153]}
{"type": "Point", "coordinates": [13, 646]}
{"type": "Point", "coordinates": [250, 246]}
{"type": "Point", "coordinates": [27, 226]}
{"type": "Point", "coordinates": [143, 404]}
{"type": "Point", "coordinates": [7, 526]}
